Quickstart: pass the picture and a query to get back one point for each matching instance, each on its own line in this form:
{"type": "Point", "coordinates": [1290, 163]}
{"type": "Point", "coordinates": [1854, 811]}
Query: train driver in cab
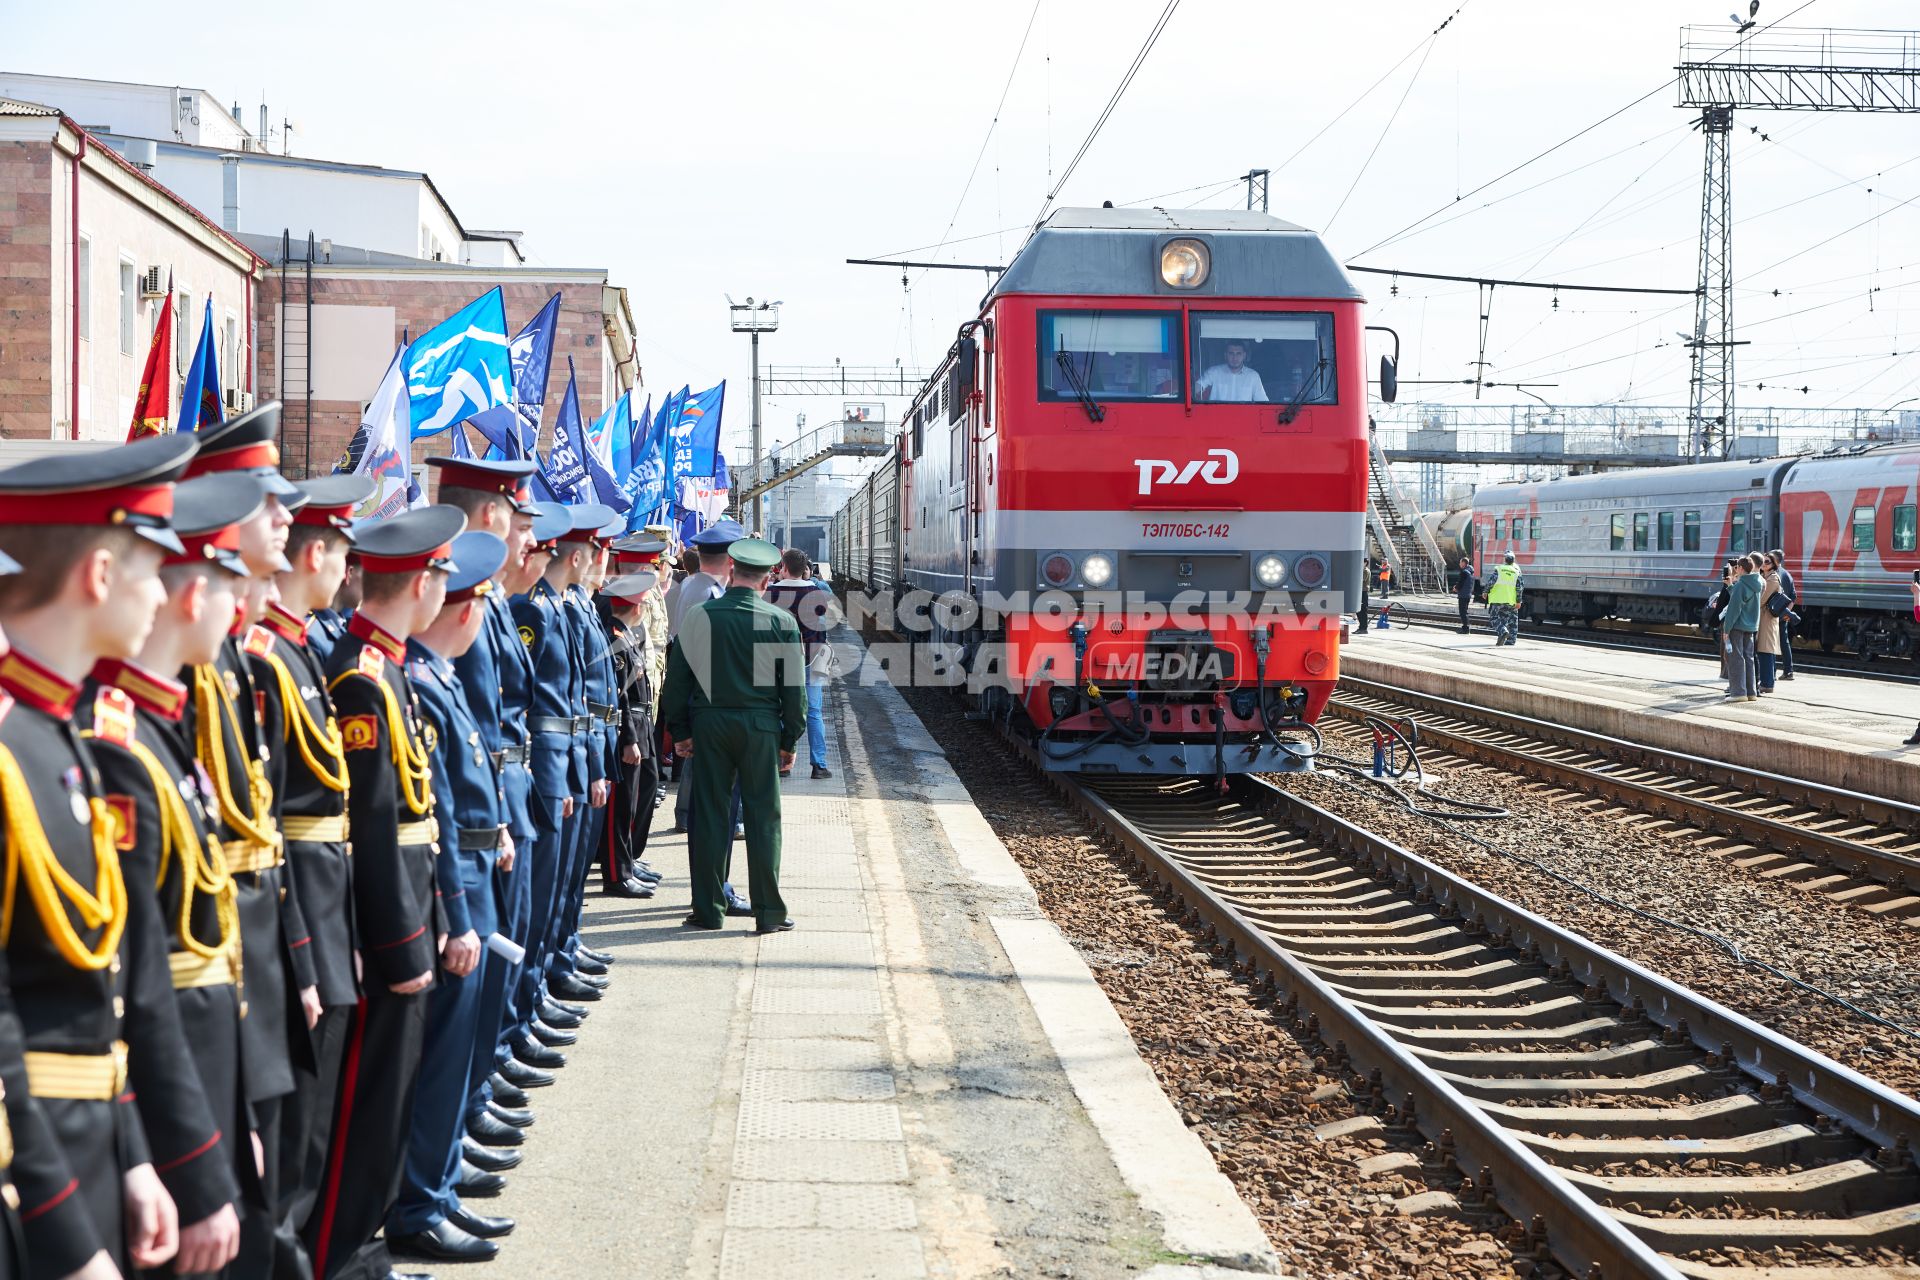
{"type": "Point", "coordinates": [1232, 382]}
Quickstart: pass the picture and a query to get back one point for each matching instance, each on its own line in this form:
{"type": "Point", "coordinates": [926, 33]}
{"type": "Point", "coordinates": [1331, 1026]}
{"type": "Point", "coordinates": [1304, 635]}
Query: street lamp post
{"type": "Point", "coordinates": [753, 319]}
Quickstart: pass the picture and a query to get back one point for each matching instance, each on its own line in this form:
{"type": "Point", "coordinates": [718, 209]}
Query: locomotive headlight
{"type": "Point", "coordinates": [1057, 569]}
{"type": "Point", "coordinates": [1270, 570]}
{"type": "Point", "coordinates": [1097, 570]}
{"type": "Point", "coordinates": [1184, 264]}
{"type": "Point", "coordinates": [1310, 570]}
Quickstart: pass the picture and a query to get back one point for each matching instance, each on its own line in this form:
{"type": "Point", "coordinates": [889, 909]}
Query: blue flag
{"type": "Point", "coordinates": [679, 441]}
{"type": "Point", "coordinates": [646, 482]}
{"type": "Point", "coordinates": [462, 448]}
{"type": "Point", "coordinates": [566, 465]}
{"type": "Point", "coordinates": [625, 442]}
{"type": "Point", "coordinates": [499, 426]}
{"type": "Point", "coordinates": [200, 394]}
{"type": "Point", "coordinates": [616, 422]}
{"type": "Point", "coordinates": [460, 366]}
{"type": "Point", "coordinates": [532, 360]}
{"type": "Point", "coordinates": [703, 432]}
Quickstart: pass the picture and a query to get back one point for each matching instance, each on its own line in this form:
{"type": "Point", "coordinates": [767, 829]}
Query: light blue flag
{"type": "Point", "coordinates": [615, 423]}
{"type": "Point", "coordinates": [532, 360]}
{"type": "Point", "coordinates": [624, 442]}
{"type": "Point", "coordinates": [703, 433]}
{"type": "Point", "coordinates": [460, 366]}
{"type": "Point", "coordinates": [679, 441]}
{"type": "Point", "coordinates": [200, 404]}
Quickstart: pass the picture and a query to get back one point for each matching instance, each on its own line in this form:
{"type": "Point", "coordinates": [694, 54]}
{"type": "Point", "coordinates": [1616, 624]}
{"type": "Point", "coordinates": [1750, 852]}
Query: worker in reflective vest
{"type": "Point", "coordinates": [1503, 601]}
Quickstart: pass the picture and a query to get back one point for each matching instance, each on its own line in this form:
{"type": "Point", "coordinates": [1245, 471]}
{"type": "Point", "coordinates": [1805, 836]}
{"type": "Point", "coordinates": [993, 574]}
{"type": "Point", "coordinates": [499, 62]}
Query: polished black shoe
{"type": "Point", "coordinates": [679, 828]}
{"type": "Point", "coordinates": [626, 889]}
{"type": "Point", "coordinates": [409, 1275]}
{"type": "Point", "coordinates": [641, 871]}
{"type": "Point", "coordinates": [598, 981]}
{"type": "Point", "coordinates": [535, 1054]}
{"type": "Point", "coordinates": [587, 964]}
{"type": "Point", "coordinates": [554, 1016]}
{"type": "Point", "coordinates": [821, 771]}
{"type": "Point", "coordinates": [518, 1117]}
{"type": "Point", "coordinates": [782, 927]}
{"type": "Point", "coordinates": [505, 1092]}
{"type": "Point", "coordinates": [478, 1182]}
{"type": "Point", "coordinates": [571, 1010]}
{"type": "Point", "coordinates": [695, 922]}
{"type": "Point", "coordinates": [487, 1159]}
{"type": "Point", "coordinates": [479, 1225]}
{"type": "Point", "coordinates": [740, 908]}
{"type": "Point", "coordinates": [445, 1242]}
{"type": "Point", "coordinates": [604, 957]}
{"type": "Point", "coordinates": [573, 986]}
{"type": "Point", "coordinates": [553, 1037]}
{"type": "Point", "coordinates": [524, 1075]}
{"type": "Point", "coordinates": [640, 888]}
{"type": "Point", "coordinates": [491, 1131]}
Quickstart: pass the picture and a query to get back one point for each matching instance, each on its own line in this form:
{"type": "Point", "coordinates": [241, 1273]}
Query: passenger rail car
{"type": "Point", "coordinates": [1137, 485]}
{"type": "Point", "coordinates": [1647, 545]}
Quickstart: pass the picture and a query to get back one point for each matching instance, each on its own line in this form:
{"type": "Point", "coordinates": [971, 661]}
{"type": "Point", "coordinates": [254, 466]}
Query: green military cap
{"type": "Point", "coordinates": [754, 553]}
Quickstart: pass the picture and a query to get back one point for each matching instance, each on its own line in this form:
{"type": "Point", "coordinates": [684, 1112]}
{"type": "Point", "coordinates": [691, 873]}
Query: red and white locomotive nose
{"type": "Point", "coordinates": [1143, 468]}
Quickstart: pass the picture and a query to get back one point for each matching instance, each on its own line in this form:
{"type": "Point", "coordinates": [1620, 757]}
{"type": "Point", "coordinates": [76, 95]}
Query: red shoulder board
{"type": "Point", "coordinates": [259, 641]}
{"type": "Point", "coordinates": [113, 716]}
{"type": "Point", "coordinates": [121, 807]}
{"type": "Point", "coordinates": [372, 662]}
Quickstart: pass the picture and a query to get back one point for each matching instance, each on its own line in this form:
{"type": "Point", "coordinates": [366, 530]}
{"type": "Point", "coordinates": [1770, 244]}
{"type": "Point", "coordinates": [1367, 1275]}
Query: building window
{"type": "Point", "coordinates": [1666, 531]}
{"type": "Point", "coordinates": [85, 301]}
{"type": "Point", "coordinates": [129, 304]}
{"type": "Point", "coordinates": [1640, 523]}
{"type": "Point", "coordinates": [1690, 531]}
{"type": "Point", "coordinates": [182, 335]}
{"type": "Point", "coordinates": [230, 355]}
{"type": "Point", "coordinates": [1904, 527]}
{"type": "Point", "coordinates": [1617, 533]}
{"type": "Point", "coordinates": [1863, 528]}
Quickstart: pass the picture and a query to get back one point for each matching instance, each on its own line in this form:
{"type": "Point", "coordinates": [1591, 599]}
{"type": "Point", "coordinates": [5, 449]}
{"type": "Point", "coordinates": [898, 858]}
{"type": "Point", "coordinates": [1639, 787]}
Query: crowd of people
{"type": "Point", "coordinates": [1752, 614]}
{"type": "Point", "coordinates": [301, 812]}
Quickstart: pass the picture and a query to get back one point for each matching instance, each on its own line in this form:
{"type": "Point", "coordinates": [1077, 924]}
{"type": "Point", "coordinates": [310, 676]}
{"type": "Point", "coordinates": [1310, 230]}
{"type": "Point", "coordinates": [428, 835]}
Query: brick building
{"type": "Point", "coordinates": [88, 242]}
{"type": "Point", "coordinates": [327, 330]}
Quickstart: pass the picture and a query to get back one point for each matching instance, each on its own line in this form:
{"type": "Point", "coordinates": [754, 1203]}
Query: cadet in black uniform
{"type": "Point", "coordinates": [89, 531]}
{"type": "Point", "coordinates": [404, 564]}
{"type": "Point", "coordinates": [623, 607]}
{"type": "Point", "coordinates": [302, 733]}
{"type": "Point", "coordinates": [178, 885]}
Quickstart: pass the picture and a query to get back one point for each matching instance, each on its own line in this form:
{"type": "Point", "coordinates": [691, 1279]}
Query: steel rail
{"type": "Point", "coordinates": [1486, 1140]}
{"type": "Point", "coordinates": [1527, 745]}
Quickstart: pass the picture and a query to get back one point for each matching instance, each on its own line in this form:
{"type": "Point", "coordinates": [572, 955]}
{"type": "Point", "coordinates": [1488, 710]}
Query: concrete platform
{"type": "Point", "coordinates": [1838, 730]}
{"type": "Point", "coordinates": [922, 1079]}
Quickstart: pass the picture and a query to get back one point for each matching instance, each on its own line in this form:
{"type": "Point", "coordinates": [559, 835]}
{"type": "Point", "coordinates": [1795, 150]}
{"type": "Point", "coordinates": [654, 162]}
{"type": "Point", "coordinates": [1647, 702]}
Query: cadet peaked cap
{"type": "Point", "coordinates": [506, 477]}
{"type": "Point", "coordinates": [637, 548]}
{"type": "Point", "coordinates": [720, 534]}
{"type": "Point", "coordinates": [131, 485]}
{"type": "Point", "coordinates": [588, 518]}
{"type": "Point", "coordinates": [331, 501]}
{"type": "Point", "coordinates": [631, 588]}
{"type": "Point", "coordinates": [247, 443]}
{"type": "Point", "coordinates": [550, 521]}
{"type": "Point", "coordinates": [754, 553]}
{"type": "Point", "coordinates": [477, 556]}
{"type": "Point", "coordinates": [207, 514]}
{"type": "Point", "coordinates": [411, 541]}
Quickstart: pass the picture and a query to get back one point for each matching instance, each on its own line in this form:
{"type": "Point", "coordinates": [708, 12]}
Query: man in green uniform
{"type": "Point", "coordinates": [736, 702]}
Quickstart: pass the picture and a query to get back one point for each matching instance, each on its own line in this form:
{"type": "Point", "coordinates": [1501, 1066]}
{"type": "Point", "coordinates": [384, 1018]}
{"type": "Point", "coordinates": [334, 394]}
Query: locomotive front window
{"type": "Point", "coordinates": [1114, 355]}
{"type": "Point", "coordinates": [1863, 528]}
{"type": "Point", "coordinates": [1262, 357]}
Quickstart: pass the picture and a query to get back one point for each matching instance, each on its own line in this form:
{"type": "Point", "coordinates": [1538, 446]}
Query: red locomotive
{"type": "Point", "coordinates": [1130, 504]}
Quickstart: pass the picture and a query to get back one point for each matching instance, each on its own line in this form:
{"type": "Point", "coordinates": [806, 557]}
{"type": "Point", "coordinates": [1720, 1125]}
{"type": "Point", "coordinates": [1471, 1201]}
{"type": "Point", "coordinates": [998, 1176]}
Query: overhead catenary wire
{"type": "Point", "coordinates": [1432, 40]}
{"type": "Point", "coordinates": [1106, 112]}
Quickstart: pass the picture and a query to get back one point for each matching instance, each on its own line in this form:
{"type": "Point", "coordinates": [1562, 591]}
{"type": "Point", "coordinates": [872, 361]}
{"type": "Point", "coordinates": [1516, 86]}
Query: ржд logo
{"type": "Point", "coordinates": [1220, 466]}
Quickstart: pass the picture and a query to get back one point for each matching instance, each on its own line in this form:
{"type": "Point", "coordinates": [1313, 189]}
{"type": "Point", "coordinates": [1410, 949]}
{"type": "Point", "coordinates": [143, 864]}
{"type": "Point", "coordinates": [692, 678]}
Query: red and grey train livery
{"type": "Point", "coordinates": [1648, 545]}
{"type": "Point", "coordinates": [1137, 485]}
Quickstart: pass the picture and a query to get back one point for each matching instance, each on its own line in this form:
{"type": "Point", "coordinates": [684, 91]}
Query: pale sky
{"type": "Point", "coordinates": [747, 148]}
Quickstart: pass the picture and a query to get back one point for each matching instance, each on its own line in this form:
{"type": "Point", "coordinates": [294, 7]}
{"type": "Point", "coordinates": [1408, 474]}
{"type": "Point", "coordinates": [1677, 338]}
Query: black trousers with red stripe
{"type": "Point", "coordinates": [371, 1122]}
{"type": "Point", "coordinates": [633, 804]}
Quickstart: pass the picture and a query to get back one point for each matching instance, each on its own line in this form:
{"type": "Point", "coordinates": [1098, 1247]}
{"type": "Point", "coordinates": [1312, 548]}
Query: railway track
{"type": "Point", "coordinates": [1629, 1126]}
{"type": "Point", "coordinates": [1427, 613]}
{"type": "Point", "coordinates": [1856, 849]}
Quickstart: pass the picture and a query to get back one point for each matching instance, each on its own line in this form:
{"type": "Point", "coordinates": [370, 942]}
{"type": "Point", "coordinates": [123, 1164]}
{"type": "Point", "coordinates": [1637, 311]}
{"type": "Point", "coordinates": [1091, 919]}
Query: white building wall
{"type": "Point", "coordinates": [375, 211]}
{"type": "Point", "coordinates": [135, 110]}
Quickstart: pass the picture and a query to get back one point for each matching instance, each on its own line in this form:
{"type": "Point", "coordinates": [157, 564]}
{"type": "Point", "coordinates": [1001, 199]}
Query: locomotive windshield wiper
{"type": "Point", "coordinates": [1291, 409]}
{"type": "Point", "coordinates": [1095, 410]}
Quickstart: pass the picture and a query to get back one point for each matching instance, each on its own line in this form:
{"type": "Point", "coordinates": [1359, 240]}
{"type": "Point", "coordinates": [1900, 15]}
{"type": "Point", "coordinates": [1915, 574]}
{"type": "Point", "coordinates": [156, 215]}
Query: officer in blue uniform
{"type": "Point", "coordinates": [559, 766]}
{"type": "Point", "coordinates": [428, 1220]}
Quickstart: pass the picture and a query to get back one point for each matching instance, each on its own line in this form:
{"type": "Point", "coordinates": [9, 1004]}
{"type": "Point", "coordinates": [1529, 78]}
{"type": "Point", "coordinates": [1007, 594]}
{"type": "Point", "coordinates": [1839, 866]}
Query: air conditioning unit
{"type": "Point", "coordinates": [239, 401]}
{"type": "Point", "coordinates": [152, 285]}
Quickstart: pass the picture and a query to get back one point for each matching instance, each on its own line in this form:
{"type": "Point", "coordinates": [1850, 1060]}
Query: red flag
{"type": "Point", "coordinates": [152, 408]}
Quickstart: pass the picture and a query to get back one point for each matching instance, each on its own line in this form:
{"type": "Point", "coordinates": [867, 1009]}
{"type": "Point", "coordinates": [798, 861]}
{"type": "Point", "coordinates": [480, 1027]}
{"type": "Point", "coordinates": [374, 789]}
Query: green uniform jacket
{"type": "Point", "coordinates": [738, 653]}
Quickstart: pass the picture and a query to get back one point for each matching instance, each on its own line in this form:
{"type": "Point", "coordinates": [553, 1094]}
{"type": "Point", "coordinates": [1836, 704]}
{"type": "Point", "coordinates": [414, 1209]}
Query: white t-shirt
{"type": "Point", "coordinates": [1229, 386]}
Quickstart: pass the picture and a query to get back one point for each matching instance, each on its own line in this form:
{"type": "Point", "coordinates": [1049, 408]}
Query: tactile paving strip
{"type": "Point", "coordinates": [817, 1085]}
{"type": "Point", "coordinates": [815, 1055]}
{"type": "Point", "coordinates": [806, 1160]}
{"type": "Point", "coordinates": [855, 1206]}
{"type": "Point", "coordinates": [862, 1000]}
{"type": "Point", "coordinates": [838, 1121]}
{"type": "Point", "coordinates": [828, 1255]}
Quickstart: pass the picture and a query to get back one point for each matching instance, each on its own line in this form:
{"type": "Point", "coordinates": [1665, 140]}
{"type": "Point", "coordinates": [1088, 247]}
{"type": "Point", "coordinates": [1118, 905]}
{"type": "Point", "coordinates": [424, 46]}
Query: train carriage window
{"type": "Point", "coordinates": [1690, 531]}
{"type": "Point", "coordinates": [1617, 533]}
{"type": "Point", "coordinates": [1533, 528]}
{"type": "Point", "coordinates": [1500, 529]}
{"type": "Point", "coordinates": [1640, 523]}
{"type": "Point", "coordinates": [1666, 531]}
{"type": "Point", "coordinates": [1863, 528]}
{"type": "Point", "coordinates": [1904, 527]}
{"type": "Point", "coordinates": [1737, 531]}
{"type": "Point", "coordinates": [1260, 357]}
{"type": "Point", "coordinates": [1115, 355]}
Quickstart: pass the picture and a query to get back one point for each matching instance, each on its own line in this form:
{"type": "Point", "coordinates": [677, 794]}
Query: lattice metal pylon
{"type": "Point", "coordinates": [1710, 415]}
